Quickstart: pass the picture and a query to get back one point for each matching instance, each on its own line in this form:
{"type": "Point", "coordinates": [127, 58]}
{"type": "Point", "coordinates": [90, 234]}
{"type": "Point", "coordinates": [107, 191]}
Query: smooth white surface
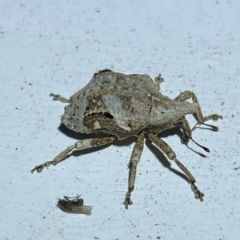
{"type": "Point", "coordinates": [56, 46]}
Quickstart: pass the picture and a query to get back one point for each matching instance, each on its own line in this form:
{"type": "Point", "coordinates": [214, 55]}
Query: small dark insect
{"type": "Point", "coordinates": [74, 205]}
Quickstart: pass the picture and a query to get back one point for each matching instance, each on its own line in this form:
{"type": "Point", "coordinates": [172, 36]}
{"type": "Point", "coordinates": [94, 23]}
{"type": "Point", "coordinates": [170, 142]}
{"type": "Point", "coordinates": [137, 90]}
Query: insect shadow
{"type": "Point", "coordinates": [126, 142]}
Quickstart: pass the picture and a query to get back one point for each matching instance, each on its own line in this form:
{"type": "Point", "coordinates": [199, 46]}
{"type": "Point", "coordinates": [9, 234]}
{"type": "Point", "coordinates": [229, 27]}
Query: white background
{"type": "Point", "coordinates": [56, 46]}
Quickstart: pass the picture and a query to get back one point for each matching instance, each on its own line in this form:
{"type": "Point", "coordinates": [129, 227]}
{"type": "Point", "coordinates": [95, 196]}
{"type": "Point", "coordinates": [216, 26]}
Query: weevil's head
{"type": "Point", "coordinates": [72, 117]}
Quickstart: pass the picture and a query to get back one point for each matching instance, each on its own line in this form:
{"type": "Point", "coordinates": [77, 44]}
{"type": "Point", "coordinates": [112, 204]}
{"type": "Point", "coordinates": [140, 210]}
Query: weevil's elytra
{"type": "Point", "coordinates": [121, 106]}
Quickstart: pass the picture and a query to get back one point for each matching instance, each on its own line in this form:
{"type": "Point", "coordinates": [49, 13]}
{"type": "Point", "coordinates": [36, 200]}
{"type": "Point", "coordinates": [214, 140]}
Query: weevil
{"type": "Point", "coordinates": [74, 205]}
{"type": "Point", "coordinates": [121, 106]}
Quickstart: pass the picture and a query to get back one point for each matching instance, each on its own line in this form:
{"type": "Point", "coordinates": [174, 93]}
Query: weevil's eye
{"type": "Point", "coordinates": [185, 139]}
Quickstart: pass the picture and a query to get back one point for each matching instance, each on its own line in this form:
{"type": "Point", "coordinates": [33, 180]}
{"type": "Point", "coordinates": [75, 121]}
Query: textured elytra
{"type": "Point", "coordinates": [121, 106]}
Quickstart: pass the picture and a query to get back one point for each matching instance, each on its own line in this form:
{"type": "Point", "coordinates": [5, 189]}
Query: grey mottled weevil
{"type": "Point", "coordinates": [122, 106]}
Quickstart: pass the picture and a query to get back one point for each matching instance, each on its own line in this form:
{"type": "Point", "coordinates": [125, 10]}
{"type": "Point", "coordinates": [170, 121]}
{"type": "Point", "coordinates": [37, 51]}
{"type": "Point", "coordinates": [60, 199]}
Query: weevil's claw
{"type": "Point", "coordinates": [38, 168]}
{"type": "Point", "coordinates": [213, 117]}
{"type": "Point", "coordinates": [54, 96]}
{"type": "Point", "coordinates": [57, 97]}
{"type": "Point", "coordinates": [198, 195]}
{"type": "Point", "coordinates": [127, 200]}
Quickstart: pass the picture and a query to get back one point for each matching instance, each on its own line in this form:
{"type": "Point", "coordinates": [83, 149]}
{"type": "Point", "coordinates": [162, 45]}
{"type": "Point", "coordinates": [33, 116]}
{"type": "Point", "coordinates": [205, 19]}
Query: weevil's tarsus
{"type": "Point", "coordinates": [213, 117]}
{"type": "Point", "coordinates": [59, 98]}
{"type": "Point", "coordinates": [198, 195]}
{"type": "Point", "coordinates": [236, 168]}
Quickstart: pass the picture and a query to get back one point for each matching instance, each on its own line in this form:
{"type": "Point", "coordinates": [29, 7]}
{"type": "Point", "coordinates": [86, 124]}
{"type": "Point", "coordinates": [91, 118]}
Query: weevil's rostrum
{"type": "Point", "coordinates": [122, 106]}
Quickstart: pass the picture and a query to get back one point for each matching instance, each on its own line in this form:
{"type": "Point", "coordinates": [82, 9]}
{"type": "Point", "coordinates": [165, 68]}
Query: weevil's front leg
{"type": "Point", "coordinates": [80, 145]}
{"type": "Point", "coordinates": [57, 97]}
{"type": "Point", "coordinates": [165, 148]}
{"type": "Point", "coordinates": [135, 158]}
{"type": "Point", "coordinates": [201, 120]}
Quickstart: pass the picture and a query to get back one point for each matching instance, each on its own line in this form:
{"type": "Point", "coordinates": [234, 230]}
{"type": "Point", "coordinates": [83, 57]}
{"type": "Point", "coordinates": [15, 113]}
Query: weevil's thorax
{"type": "Point", "coordinates": [166, 112]}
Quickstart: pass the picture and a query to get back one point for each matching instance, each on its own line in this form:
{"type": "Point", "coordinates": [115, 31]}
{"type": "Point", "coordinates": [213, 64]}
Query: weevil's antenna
{"type": "Point", "coordinates": [187, 136]}
{"type": "Point", "coordinates": [204, 148]}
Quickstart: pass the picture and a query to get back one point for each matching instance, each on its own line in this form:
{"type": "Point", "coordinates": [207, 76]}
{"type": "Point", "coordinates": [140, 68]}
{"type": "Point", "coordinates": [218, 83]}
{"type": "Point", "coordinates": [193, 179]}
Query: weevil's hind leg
{"type": "Point", "coordinates": [80, 145]}
{"type": "Point", "coordinates": [135, 158]}
{"type": "Point", "coordinates": [165, 148]}
{"type": "Point", "coordinates": [201, 120]}
{"type": "Point", "coordinates": [57, 97]}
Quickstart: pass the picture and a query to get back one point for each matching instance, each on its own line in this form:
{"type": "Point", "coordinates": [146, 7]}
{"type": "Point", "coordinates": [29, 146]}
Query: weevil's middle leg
{"type": "Point", "coordinates": [80, 145]}
{"type": "Point", "coordinates": [165, 148]}
{"type": "Point", "coordinates": [201, 120]}
{"type": "Point", "coordinates": [59, 98]}
{"type": "Point", "coordinates": [135, 158]}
